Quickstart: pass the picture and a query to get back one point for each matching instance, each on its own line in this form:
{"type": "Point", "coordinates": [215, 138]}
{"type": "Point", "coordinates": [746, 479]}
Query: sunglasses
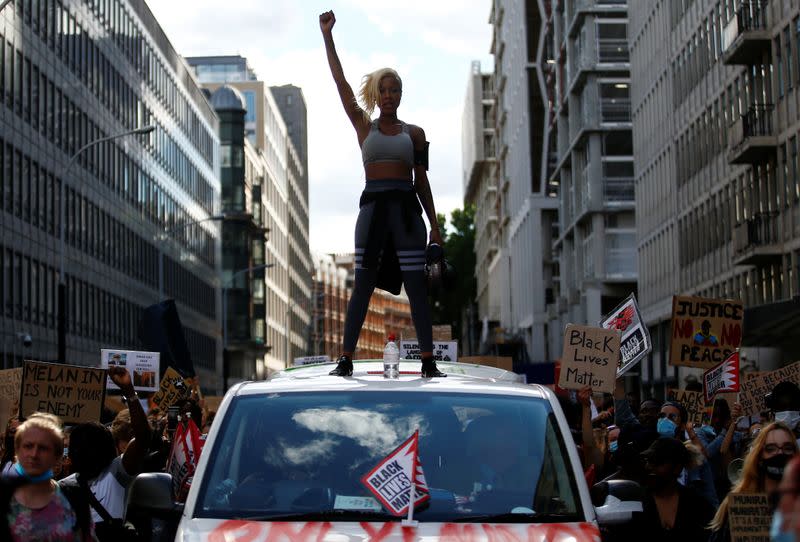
{"type": "Point", "coordinates": [672, 416]}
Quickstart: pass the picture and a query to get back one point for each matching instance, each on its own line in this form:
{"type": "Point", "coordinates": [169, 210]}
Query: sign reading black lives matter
{"type": "Point", "coordinates": [590, 358]}
{"type": "Point", "coordinates": [73, 393]}
{"type": "Point", "coordinates": [635, 342]}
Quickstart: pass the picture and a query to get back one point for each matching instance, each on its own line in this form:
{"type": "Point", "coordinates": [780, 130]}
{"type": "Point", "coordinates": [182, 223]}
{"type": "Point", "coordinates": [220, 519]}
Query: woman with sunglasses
{"type": "Point", "coordinates": [763, 468]}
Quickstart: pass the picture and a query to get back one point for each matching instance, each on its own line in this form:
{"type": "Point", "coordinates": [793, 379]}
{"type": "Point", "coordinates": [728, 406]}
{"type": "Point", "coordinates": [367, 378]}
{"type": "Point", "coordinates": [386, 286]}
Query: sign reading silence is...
{"type": "Point", "coordinates": [704, 331]}
{"type": "Point", "coordinates": [590, 358]}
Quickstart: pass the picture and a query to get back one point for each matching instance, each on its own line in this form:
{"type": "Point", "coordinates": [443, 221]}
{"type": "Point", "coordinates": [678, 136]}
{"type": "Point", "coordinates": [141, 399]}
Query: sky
{"type": "Point", "coordinates": [431, 43]}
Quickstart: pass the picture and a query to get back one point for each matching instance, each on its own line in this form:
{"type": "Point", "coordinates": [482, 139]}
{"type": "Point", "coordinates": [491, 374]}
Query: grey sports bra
{"type": "Point", "coordinates": [379, 147]}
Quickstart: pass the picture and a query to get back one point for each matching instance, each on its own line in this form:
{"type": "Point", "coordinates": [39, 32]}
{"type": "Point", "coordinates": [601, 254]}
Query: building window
{"type": "Point", "coordinates": [778, 67]}
{"type": "Point", "coordinates": [787, 41]}
{"type": "Point", "coordinates": [612, 41]}
{"type": "Point", "coordinates": [795, 179]}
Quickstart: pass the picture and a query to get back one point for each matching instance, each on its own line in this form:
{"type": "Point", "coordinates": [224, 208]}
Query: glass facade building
{"type": "Point", "coordinates": [72, 72]}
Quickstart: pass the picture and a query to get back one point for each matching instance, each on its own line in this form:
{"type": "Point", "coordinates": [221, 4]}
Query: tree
{"type": "Point", "coordinates": [459, 249]}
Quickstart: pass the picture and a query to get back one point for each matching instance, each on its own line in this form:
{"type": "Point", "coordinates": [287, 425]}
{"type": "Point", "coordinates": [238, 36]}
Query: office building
{"type": "Point", "coordinates": [586, 65]}
{"type": "Point", "coordinates": [284, 189]}
{"type": "Point", "coordinates": [74, 72]}
{"type": "Point", "coordinates": [715, 120]}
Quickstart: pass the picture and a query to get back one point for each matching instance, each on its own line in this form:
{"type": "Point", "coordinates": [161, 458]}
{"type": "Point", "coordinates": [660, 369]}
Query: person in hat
{"type": "Point", "coordinates": [762, 471]}
{"type": "Point", "coordinates": [670, 511]}
{"type": "Point", "coordinates": [390, 236]}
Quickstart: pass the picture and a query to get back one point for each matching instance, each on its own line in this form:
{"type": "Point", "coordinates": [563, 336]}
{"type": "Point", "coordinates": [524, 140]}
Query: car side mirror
{"type": "Point", "coordinates": [150, 493]}
{"type": "Point", "coordinates": [615, 501]}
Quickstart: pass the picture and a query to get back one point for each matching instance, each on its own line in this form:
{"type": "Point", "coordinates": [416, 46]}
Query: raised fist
{"type": "Point", "coordinates": [326, 21]}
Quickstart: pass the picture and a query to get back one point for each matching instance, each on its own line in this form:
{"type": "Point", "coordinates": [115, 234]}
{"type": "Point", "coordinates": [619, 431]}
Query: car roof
{"type": "Point", "coordinates": [368, 376]}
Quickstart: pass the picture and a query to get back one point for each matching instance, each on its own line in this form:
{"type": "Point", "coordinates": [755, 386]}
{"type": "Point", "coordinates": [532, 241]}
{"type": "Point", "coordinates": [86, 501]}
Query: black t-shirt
{"type": "Point", "coordinates": [691, 521]}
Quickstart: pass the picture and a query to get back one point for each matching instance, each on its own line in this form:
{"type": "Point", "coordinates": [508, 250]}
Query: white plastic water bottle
{"type": "Point", "coordinates": [391, 359]}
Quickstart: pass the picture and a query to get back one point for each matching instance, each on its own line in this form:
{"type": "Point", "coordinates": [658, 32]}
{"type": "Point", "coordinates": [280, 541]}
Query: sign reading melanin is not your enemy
{"type": "Point", "coordinates": [590, 358]}
{"type": "Point", "coordinates": [73, 393]}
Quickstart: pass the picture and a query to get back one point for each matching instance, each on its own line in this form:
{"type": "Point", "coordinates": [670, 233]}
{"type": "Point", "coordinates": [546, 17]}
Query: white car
{"type": "Point", "coordinates": [285, 460]}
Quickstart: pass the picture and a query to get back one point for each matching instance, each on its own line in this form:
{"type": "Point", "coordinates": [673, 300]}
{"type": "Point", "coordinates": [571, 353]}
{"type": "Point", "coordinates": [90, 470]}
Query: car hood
{"type": "Point", "coordinates": [215, 530]}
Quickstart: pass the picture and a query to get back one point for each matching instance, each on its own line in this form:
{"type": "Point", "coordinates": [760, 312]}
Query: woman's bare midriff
{"type": "Point", "coordinates": [387, 170]}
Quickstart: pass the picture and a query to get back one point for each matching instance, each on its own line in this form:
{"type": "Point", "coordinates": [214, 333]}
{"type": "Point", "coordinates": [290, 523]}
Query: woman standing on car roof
{"type": "Point", "coordinates": [390, 235]}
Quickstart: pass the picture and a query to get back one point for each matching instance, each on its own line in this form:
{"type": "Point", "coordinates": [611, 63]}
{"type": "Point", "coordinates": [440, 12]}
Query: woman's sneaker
{"type": "Point", "coordinates": [429, 369]}
{"type": "Point", "coordinates": [344, 367]}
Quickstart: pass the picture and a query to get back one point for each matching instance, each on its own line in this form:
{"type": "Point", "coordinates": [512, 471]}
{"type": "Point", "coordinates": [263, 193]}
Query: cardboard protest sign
{"type": "Point", "coordinates": [722, 378]}
{"type": "Point", "coordinates": [442, 350]}
{"type": "Point", "coordinates": [590, 358]}
{"type": "Point", "coordinates": [753, 390]}
{"type": "Point", "coordinates": [635, 341]}
{"type": "Point", "coordinates": [310, 360]}
{"type": "Point", "coordinates": [501, 362]}
{"type": "Point", "coordinates": [442, 333]}
{"type": "Point", "coordinates": [390, 480]}
{"type": "Point", "coordinates": [143, 367]}
{"type": "Point", "coordinates": [704, 331]}
{"type": "Point", "coordinates": [750, 517]}
{"type": "Point", "coordinates": [10, 384]}
{"type": "Point", "coordinates": [172, 389]}
{"type": "Point", "coordinates": [73, 393]}
{"type": "Point", "coordinates": [692, 401]}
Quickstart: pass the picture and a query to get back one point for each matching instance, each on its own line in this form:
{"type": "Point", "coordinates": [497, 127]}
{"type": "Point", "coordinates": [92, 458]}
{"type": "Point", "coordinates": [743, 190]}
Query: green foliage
{"type": "Point", "coordinates": [459, 249]}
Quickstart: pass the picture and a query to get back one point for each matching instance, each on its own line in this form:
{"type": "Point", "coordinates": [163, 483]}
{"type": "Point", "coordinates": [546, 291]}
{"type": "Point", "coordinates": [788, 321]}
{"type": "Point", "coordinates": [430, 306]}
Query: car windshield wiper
{"type": "Point", "coordinates": [322, 515]}
{"type": "Point", "coordinates": [511, 517]}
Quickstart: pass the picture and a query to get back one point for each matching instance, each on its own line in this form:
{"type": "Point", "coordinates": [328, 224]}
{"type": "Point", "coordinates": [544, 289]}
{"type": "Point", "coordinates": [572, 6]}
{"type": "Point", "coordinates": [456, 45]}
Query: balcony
{"type": "Point", "coordinates": [578, 8]}
{"type": "Point", "coordinates": [608, 55]}
{"type": "Point", "coordinates": [747, 37]}
{"type": "Point", "coordinates": [752, 139]}
{"type": "Point", "coordinates": [618, 191]}
{"type": "Point", "coordinates": [757, 241]}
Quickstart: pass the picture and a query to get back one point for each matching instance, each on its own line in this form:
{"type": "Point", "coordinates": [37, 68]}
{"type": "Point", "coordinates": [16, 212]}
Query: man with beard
{"type": "Point", "coordinates": [670, 511]}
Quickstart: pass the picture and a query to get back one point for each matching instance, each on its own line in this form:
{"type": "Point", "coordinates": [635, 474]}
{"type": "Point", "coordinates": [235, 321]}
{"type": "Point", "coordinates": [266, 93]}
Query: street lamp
{"type": "Point", "coordinates": [62, 279]}
{"type": "Point", "coordinates": [166, 234]}
{"type": "Point", "coordinates": [225, 288]}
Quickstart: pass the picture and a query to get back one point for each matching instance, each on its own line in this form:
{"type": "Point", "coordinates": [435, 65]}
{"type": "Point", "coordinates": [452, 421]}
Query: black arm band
{"type": "Point", "coordinates": [421, 156]}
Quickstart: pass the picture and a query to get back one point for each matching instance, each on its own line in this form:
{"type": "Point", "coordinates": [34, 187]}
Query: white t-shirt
{"type": "Point", "coordinates": [109, 488]}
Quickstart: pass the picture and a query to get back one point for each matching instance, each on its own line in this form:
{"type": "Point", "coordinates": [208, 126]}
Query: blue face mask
{"type": "Point", "coordinates": [666, 427]}
{"type": "Point", "coordinates": [775, 534]}
{"type": "Point", "coordinates": [612, 446]}
{"type": "Point", "coordinates": [47, 475]}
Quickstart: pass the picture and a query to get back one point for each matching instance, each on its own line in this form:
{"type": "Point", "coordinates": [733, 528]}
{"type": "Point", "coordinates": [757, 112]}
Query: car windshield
{"type": "Point", "coordinates": [303, 455]}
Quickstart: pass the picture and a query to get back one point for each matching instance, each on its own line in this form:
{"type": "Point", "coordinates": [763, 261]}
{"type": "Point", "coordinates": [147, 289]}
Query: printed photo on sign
{"type": "Point", "coordinates": [704, 331]}
{"type": "Point", "coordinates": [391, 479]}
{"type": "Point", "coordinates": [635, 338]}
{"type": "Point", "coordinates": [142, 366]}
{"type": "Point", "coordinates": [590, 358]}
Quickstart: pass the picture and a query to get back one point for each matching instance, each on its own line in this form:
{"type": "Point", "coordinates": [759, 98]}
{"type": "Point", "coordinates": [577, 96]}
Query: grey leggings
{"type": "Point", "coordinates": [410, 246]}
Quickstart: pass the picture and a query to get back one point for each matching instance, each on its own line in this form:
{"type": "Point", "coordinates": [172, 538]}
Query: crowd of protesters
{"type": "Point", "coordinates": [686, 472]}
{"type": "Point", "coordinates": [69, 483]}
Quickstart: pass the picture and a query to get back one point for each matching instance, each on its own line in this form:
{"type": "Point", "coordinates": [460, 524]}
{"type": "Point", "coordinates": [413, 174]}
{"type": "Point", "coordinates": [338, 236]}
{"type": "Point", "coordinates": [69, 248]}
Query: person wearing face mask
{"type": "Point", "coordinates": [763, 469]}
{"type": "Point", "coordinates": [670, 511]}
{"type": "Point", "coordinates": [786, 519]}
{"type": "Point", "coordinates": [784, 402]}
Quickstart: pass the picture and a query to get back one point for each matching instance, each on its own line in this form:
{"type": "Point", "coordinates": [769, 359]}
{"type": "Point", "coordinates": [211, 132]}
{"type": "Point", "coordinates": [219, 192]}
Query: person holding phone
{"type": "Point", "coordinates": [390, 236]}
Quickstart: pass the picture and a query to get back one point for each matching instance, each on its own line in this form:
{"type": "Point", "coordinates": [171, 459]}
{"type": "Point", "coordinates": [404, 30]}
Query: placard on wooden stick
{"type": "Point", "coordinates": [72, 392]}
{"type": "Point", "coordinates": [589, 358]}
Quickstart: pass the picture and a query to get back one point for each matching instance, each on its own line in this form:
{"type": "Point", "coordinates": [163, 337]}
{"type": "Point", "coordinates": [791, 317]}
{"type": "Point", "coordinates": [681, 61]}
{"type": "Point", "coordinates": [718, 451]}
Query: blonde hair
{"type": "Point", "coordinates": [46, 422]}
{"type": "Point", "coordinates": [369, 93]}
{"type": "Point", "coordinates": [752, 479]}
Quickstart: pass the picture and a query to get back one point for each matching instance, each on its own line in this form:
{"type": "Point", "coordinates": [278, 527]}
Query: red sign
{"type": "Point", "coordinates": [722, 378]}
{"type": "Point", "coordinates": [183, 458]}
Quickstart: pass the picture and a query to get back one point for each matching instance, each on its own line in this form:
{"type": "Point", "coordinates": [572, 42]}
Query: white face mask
{"type": "Point", "coordinates": [789, 417]}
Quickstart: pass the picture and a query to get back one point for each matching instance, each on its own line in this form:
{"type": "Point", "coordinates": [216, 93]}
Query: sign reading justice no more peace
{"type": "Point", "coordinates": [590, 358]}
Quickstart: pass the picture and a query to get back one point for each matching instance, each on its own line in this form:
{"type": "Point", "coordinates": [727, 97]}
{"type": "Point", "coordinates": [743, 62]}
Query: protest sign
{"type": "Point", "coordinates": [753, 390]}
{"type": "Point", "coordinates": [442, 333]}
{"type": "Point", "coordinates": [501, 362]}
{"type": "Point", "coordinates": [390, 480]}
{"type": "Point", "coordinates": [590, 358]}
{"type": "Point", "coordinates": [186, 448]}
{"type": "Point", "coordinates": [143, 367]}
{"type": "Point", "coordinates": [692, 401]}
{"type": "Point", "coordinates": [750, 517]}
{"type": "Point", "coordinates": [10, 384]}
{"type": "Point", "coordinates": [172, 389]}
{"type": "Point", "coordinates": [635, 341]}
{"type": "Point", "coordinates": [310, 360]}
{"type": "Point", "coordinates": [442, 350]}
{"type": "Point", "coordinates": [73, 393]}
{"type": "Point", "coordinates": [722, 378]}
{"type": "Point", "coordinates": [704, 331]}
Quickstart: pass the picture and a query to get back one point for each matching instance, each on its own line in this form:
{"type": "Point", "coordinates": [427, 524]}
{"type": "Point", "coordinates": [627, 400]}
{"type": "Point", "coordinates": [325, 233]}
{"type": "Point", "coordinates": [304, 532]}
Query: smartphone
{"type": "Point", "coordinates": [172, 418]}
